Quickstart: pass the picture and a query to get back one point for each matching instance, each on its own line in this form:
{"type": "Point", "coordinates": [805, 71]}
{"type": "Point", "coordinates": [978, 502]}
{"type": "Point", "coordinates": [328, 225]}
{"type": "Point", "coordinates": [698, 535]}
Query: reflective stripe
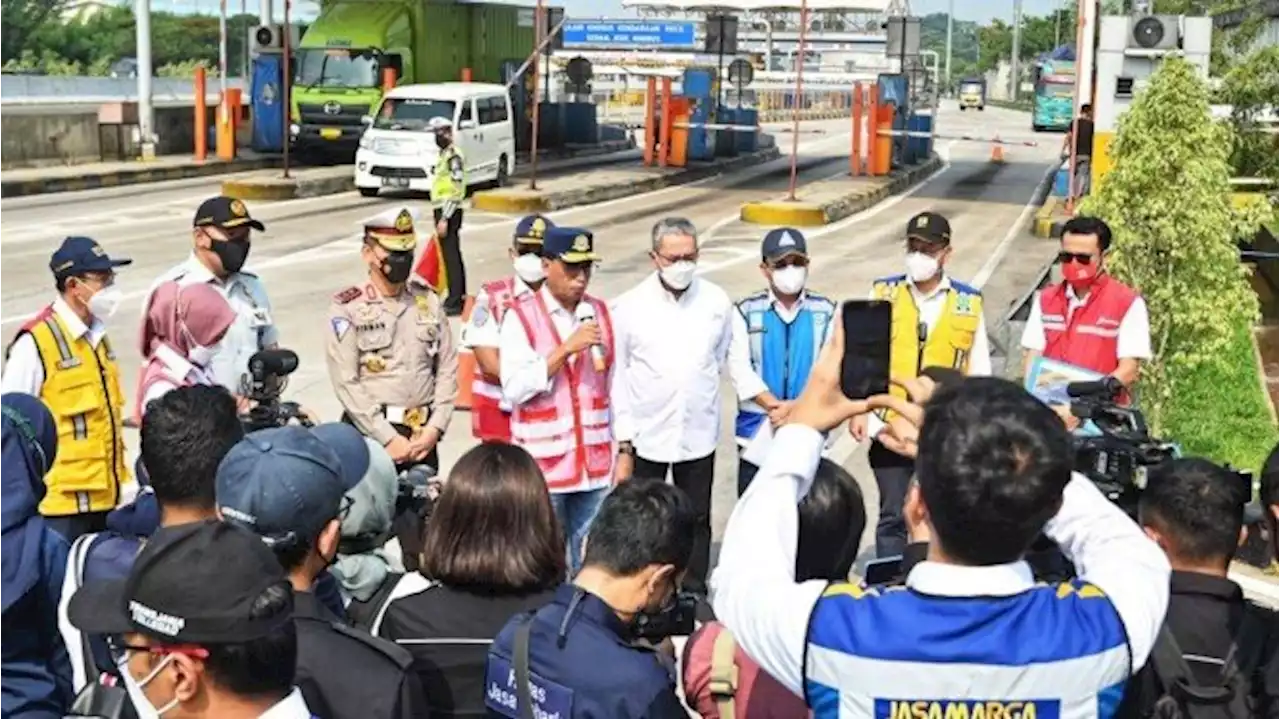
{"type": "Point", "coordinates": [1097, 331]}
{"type": "Point", "coordinates": [67, 359]}
{"type": "Point", "coordinates": [82, 502]}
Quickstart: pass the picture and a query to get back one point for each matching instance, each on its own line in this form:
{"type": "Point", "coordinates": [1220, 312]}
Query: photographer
{"type": "Point", "coordinates": [1193, 509]}
{"type": "Point", "coordinates": [994, 470]}
{"type": "Point", "coordinates": [577, 656]}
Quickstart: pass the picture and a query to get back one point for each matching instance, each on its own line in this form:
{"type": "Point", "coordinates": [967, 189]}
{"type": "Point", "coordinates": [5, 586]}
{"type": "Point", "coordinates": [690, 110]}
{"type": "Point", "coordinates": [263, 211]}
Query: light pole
{"type": "Point", "coordinates": [1017, 50]}
{"type": "Point", "coordinates": [146, 117]}
{"type": "Point", "coordinates": [951, 11]}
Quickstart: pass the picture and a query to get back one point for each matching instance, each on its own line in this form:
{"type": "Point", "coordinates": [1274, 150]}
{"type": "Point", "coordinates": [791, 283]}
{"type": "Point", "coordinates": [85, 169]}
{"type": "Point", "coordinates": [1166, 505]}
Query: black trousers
{"type": "Point", "coordinates": [893, 477]}
{"type": "Point", "coordinates": [695, 477]}
{"type": "Point", "coordinates": [451, 245]}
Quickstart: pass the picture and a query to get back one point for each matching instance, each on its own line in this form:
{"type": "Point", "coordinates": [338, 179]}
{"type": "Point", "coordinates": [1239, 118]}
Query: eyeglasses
{"type": "Point", "coordinates": [1066, 258]}
{"type": "Point", "coordinates": [690, 257]}
{"type": "Point", "coordinates": [120, 650]}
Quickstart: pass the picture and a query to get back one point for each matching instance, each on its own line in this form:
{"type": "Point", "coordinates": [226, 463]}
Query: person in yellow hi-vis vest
{"type": "Point", "coordinates": [62, 356]}
{"type": "Point", "coordinates": [937, 322]}
{"type": "Point", "coordinates": [448, 190]}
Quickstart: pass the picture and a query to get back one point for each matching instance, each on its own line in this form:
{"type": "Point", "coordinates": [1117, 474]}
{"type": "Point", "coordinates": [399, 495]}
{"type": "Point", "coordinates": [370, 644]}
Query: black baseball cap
{"type": "Point", "coordinates": [194, 583]}
{"type": "Point", "coordinates": [225, 212]}
{"type": "Point", "coordinates": [929, 227]}
{"type": "Point", "coordinates": [782, 242]}
{"type": "Point", "coordinates": [78, 255]}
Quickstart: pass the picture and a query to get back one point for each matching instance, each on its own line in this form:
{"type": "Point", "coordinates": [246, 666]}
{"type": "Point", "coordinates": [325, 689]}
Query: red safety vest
{"type": "Point", "coordinates": [1088, 336]}
{"type": "Point", "coordinates": [569, 429]}
{"type": "Point", "coordinates": [489, 422]}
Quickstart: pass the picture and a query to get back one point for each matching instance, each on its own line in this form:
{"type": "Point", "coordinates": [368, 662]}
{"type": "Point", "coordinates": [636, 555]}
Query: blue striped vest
{"type": "Point", "coordinates": [782, 353]}
{"type": "Point", "coordinates": [1051, 652]}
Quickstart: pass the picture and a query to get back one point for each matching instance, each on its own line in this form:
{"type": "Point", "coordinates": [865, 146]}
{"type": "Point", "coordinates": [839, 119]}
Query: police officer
{"type": "Point", "coordinates": [220, 245]}
{"type": "Point", "coordinates": [287, 485]}
{"type": "Point", "coordinates": [937, 322]}
{"type": "Point", "coordinates": [448, 190]}
{"type": "Point", "coordinates": [63, 357]}
{"type": "Point", "coordinates": [390, 350]}
{"type": "Point", "coordinates": [777, 335]}
{"type": "Point", "coordinates": [490, 415]}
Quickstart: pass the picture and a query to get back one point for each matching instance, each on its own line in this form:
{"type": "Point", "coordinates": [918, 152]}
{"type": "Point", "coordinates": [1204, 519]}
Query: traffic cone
{"type": "Point", "coordinates": [997, 151]}
{"type": "Point", "coordinates": [466, 363]}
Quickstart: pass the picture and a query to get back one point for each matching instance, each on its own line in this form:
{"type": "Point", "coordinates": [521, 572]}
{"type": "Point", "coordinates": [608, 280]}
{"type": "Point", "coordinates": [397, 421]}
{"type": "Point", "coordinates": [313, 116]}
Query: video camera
{"type": "Point", "coordinates": [677, 620]}
{"type": "Point", "coordinates": [416, 491]}
{"type": "Point", "coordinates": [266, 381]}
{"type": "Point", "coordinates": [1117, 459]}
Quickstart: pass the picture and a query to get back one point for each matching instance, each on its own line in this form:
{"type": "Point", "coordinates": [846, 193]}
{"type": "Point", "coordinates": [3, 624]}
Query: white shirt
{"type": "Point", "coordinates": [482, 329]}
{"type": "Point", "coordinates": [253, 328]}
{"type": "Point", "coordinates": [746, 381]}
{"type": "Point", "coordinates": [291, 707]}
{"type": "Point", "coordinates": [24, 372]}
{"type": "Point", "coordinates": [930, 307]}
{"type": "Point", "coordinates": [667, 392]}
{"type": "Point", "coordinates": [1132, 342]}
{"type": "Point", "coordinates": [177, 371]}
{"type": "Point", "coordinates": [755, 594]}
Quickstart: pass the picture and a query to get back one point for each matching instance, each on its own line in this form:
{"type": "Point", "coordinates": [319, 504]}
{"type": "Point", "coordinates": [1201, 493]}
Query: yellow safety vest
{"type": "Point", "coordinates": [82, 390]}
{"type": "Point", "coordinates": [443, 188]}
{"type": "Point", "coordinates": [949, 343]}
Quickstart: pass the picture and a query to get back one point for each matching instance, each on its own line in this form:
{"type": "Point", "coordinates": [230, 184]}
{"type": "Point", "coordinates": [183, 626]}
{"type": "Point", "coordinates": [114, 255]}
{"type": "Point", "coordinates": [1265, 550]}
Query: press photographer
{"type": "Point", "coordinates": [578, 656]}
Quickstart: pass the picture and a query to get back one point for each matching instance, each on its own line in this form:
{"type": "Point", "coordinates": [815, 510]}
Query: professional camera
{"type": "Point", "coordinates": [676, 620]}
{"type": "Point", "coordinates": [266, 381]}
{"type": "Point", "coordinates": [417, 489]}
{"type": "Point", "coordinates": [1115, 460]}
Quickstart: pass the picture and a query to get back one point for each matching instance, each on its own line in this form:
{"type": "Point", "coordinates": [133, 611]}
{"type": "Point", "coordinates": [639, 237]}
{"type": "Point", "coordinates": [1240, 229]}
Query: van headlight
{"type": "Point", "coordinates": [365, 142]}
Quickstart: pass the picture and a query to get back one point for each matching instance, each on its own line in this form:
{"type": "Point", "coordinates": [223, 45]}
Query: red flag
{"type": "Point", "coordinates": [430, 269]}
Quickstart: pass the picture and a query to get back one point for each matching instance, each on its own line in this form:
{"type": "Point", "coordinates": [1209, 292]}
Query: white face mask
{"type": "Point", "coordinates": [529, 268]}
{"type": "Point", "coordinates": [105, 302]}
{"type": "Point", "coordinates": [921, 267]}
{"type": "Point", "coordinates": [142, 706]}
{"type": "Point", "coordinates": [790, 280]}
{"type": "Point", "coordinates": [678, 276]}
{"type": "Point", "coordinates": [202, 356]}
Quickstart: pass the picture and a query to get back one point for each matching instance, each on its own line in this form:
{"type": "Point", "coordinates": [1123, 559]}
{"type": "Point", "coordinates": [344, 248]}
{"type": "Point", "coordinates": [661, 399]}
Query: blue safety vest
{"type": "Point", "coordinates": [1051, 652]}
{"type": "Point", "coordinates": [782, 353]}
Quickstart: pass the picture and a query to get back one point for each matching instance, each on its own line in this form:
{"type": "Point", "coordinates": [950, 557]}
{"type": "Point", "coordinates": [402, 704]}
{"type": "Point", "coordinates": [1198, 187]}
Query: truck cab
{"type": "Point", "coordinates": [973, 93]}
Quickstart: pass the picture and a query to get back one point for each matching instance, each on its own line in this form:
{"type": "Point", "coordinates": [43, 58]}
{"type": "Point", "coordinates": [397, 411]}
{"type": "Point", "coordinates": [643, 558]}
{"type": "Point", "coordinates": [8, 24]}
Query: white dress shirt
{"type": "Point", "coordinates": [755, 594]}
{"type": "Point", "coordinates": [930, 307]}
{"type": "Point", "coordinates": [291, 707]}
{"type": "Point", "coordinates": [253, 329]}
{"type": "Point", "coordinates": [746, 381]}
{"type": "Point", "coordinates": [1132, 342]}
{"type": "Point", "coordinates": [667, 392]}
{"type": "Point", "coordinates": [24, 372]}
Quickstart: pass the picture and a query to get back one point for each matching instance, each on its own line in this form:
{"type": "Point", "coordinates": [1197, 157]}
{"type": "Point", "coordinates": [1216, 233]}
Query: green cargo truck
{"type": "Point", "coordinates": [338, 66]}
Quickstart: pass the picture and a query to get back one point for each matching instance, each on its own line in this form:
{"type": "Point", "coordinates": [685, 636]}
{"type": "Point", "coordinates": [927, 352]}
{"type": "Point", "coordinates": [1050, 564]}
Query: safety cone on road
{"type": "Point", "coordinates": [466, 363]}
{"type": "Point", "coordinates": [997, 150]}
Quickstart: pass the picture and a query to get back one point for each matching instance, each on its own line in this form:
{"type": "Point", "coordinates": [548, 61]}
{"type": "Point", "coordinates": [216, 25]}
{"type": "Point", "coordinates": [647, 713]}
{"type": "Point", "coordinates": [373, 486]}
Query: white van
{"type": "Point", "coordinates": [397, 152]}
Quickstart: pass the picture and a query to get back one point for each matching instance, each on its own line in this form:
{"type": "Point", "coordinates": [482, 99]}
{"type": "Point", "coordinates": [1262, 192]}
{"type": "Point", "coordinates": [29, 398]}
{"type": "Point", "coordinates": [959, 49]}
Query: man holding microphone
{"type": "Point", "coordinates": [556, 358]}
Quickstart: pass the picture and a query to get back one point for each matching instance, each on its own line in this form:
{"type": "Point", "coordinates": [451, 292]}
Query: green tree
{"type": "Point", "coordinates": [1252, 90]}
{"type": "Point", "coordinates": [1168, 202]}
{"type": "Point", "coordinates": [20, 20]}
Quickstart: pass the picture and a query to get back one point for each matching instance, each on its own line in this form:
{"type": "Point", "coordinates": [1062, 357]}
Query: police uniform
{"type": "Point", "coordinates": [71, 367]}
{"type": "Point", "coordinates": [448, 190]}
{"type": "Point", "coordinates": [392, 360]}
{"type": "Point", "coordinates": [941, 328]}
{"type": "Point", "coordinates": [254, 329]}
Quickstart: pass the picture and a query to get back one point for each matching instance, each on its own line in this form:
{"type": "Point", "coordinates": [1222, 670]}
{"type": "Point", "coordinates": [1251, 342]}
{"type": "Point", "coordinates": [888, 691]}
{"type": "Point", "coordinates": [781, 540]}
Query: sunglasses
{"type": "Point", "coordinates": [1066, 258]}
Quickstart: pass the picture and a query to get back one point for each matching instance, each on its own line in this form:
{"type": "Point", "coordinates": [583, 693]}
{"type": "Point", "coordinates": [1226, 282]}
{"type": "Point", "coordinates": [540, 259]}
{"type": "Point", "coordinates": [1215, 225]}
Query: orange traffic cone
{"type": "Point", "coordinates": [466, 364]}
{"type": "Point", "coordinates": [997, 151]}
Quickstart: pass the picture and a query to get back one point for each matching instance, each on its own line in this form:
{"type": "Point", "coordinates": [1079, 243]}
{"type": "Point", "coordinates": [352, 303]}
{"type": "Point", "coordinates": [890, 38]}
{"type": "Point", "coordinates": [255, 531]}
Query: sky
{"type": "Point", "coordinates": [979, 10]}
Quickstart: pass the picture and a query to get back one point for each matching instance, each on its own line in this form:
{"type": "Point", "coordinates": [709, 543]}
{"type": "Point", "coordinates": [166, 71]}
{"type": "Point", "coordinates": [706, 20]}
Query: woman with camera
{"type": "Point", "coordinates": [492, 549]}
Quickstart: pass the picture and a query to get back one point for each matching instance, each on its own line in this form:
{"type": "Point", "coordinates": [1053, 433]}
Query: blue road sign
{"type": "Point", "coordinates": [629, 34]}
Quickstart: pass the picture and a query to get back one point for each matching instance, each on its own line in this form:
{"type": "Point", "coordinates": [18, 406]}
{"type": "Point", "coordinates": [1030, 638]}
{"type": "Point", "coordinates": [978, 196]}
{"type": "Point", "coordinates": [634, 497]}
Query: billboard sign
{"type": "Point", "coordinates": [629, 34]}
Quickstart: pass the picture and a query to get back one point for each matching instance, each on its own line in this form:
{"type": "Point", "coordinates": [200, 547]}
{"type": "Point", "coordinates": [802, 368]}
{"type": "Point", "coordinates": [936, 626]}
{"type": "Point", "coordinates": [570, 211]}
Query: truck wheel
{"type": "Point", "coordinates": [504, 173]}
{"type": "Point", "coordinates": [368, 191]}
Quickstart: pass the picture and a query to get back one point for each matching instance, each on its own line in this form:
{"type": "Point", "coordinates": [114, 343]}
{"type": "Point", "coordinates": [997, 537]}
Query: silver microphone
{"type": "Point", "coordinates": [586, 313]}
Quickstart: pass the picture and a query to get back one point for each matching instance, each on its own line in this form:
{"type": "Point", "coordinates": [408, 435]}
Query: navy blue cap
{"type": "Point", "coordinates": [782, 242]}
{"type": "Point", "coordinates": [79, 255]}
{"type": "Point", "coordinates": [287, 483]}
{"type": "Point", "coordinates": [573, 245]}
{"type": "Point", "coordinates": [532, 230]}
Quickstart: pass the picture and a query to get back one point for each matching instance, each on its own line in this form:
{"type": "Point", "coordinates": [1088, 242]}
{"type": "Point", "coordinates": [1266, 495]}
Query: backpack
{"type": "Point", "coordinates": [724, 673]}
{"type": "Point", "coordinates": [363, 614]}
{"type": "Point", "coordinates": [1232, 697]}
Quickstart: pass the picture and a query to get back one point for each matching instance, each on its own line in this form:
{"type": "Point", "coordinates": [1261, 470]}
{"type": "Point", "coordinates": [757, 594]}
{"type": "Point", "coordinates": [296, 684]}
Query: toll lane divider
{"type": "Point", "coordinates": [834, 200]}
{"type": "Point", "coordinates": [132, 174]}
{"type": "Point", "coordinates": [315, 182]}
{"type": "Point", "coordinates": [517, 201]}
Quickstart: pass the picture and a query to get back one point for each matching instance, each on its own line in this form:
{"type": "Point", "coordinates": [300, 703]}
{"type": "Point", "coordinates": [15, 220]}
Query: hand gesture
{"type": "Point", "coordinates": [858, 428]}
{"type": "Point", "coordinates": [779, 414]}
{"type": "Point", "coordinates": [423, 442]}
{"type": "Point", "coordinates": [587, 334]}
{"type": "Point", "coordinates": [400, 449]}
{"type": "Point", "coordinates": [822, 405]}
{"type": "Point", "coordinates": [902, 432]}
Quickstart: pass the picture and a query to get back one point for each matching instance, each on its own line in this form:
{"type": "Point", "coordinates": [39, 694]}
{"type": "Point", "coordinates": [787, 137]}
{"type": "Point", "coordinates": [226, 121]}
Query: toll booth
{"type": "Point", "coordinates": [895, 93]}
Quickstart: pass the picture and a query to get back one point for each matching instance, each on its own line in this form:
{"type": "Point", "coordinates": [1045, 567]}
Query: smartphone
{"type": "Point", "coordinates": [864, 369]}
{"type": "Point", "coordinates": [885, 571]}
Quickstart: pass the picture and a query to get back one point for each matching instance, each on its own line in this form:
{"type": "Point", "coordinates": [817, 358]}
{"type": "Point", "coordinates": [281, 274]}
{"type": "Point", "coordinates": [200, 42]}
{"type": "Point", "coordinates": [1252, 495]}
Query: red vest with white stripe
{"type": "Point", "coordinates": [1087, 337]}
{"type": "Point", "coordinates": [569, 429]}
{"type": "Point", "coordinates": [489, 423]}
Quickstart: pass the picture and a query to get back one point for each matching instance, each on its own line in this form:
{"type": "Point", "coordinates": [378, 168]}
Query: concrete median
{"type": "Point", "coordinates": [21, 182]}
{"type": "Point", "coordinates": [822, 203]}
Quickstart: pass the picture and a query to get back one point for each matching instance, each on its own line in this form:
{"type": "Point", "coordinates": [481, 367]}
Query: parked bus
{"type": "Point", "coordinates": [1055, 92]}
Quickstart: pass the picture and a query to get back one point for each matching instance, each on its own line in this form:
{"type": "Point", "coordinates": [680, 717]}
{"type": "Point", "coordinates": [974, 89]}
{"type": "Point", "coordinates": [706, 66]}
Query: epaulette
{"type": "Point", "coordinates": [347, 295]}
{"type": "Point", "coordinates": [965, 289]}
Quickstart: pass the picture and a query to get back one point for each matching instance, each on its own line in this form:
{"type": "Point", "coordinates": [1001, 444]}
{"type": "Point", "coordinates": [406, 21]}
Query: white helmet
{"type": "Point", "coordinates": [436, 124]}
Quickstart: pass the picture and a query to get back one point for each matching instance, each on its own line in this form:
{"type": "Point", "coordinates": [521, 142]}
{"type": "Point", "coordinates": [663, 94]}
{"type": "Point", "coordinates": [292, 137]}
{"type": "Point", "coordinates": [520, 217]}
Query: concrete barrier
{"type": "Point", "coordinates": [837, 203]}
{"type": "Point", "coordinates": [129, 176]}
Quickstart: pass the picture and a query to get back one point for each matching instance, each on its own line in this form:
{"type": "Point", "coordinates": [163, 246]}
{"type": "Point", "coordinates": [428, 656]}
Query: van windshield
{"type": "Point", "coordinates": [404, 113]}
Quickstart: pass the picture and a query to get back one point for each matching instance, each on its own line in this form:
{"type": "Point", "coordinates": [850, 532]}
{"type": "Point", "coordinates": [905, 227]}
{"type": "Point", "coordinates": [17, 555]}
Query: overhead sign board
{"type": "Point", "coordinates": [629, 34]}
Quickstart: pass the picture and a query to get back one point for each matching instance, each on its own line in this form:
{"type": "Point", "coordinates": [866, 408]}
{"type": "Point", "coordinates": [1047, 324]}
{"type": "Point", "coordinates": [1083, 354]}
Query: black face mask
{"type": "Point", "coordinates": [232, 254]}
{"type": "Point", "coordinates": [397, 266]}
{"type": "Point", "coordinates": [442, 141]}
